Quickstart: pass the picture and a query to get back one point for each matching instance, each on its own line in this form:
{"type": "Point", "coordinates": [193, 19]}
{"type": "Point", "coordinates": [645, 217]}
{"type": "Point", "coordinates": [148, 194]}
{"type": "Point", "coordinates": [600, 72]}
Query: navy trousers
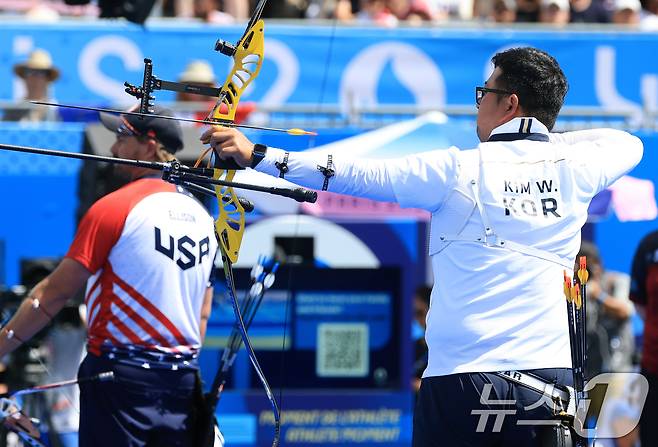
{"type": "Point", "coordinates": [139, 408]}
{"type": "Point", "coordinates": [449, 410]}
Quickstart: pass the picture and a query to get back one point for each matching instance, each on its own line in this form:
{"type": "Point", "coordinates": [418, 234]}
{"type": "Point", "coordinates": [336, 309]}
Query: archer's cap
{"type": "Point", "coordinates": [167, 132]}
{"type": "Point", "coordinates": [40, 61]}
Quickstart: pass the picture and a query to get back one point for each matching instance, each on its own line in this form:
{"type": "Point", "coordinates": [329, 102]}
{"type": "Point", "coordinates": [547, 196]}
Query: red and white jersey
{"type": "Point", "coordinates": [150, 248]}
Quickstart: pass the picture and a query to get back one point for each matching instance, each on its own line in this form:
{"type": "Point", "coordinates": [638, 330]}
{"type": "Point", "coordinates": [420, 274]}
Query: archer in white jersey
{"type": "Point", "coordinates": [506, 222]}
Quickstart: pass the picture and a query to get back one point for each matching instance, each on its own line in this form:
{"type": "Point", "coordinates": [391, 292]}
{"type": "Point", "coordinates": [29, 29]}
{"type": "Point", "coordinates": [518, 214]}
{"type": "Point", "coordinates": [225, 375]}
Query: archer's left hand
{"type": "Point", "coordinates": [229, 142]}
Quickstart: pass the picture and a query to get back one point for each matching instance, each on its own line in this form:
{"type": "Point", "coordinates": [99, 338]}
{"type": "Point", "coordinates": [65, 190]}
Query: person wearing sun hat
{"type": "Point", "coordinates": [626, 12]}
{"type": "Point", "coordinates": [554, 12]}
{"type": "Point", "coordinates": [197, 72]}
{"type": "Point", "coordinates": [38, 73]}
{"type": "Point", "coordinates": [200, 73]}
{"type": "Point", "coordinates": [39, 62]}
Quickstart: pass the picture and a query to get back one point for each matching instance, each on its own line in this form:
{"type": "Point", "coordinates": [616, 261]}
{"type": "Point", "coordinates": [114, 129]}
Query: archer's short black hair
{"type": "Point", "coordinates": [536, 78]}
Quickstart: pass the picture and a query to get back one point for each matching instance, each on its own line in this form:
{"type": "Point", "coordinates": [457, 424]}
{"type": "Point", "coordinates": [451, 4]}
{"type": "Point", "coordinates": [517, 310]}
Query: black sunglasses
{"type": "Point", "coordinates": [481, 91]}
{"type": "Point", "coordinates": [35, 72]}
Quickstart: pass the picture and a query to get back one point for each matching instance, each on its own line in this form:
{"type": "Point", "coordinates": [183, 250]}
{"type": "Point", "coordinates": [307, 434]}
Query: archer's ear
{"type": "Point", "coordinates": [151, 149]}
{"type": "Point", "coordinates": [513, 108]}
{"type": "Point", "coordinates": [513, 103]}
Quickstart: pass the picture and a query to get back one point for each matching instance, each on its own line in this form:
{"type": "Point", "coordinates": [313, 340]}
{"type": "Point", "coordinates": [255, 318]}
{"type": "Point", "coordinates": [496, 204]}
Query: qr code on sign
{"type": "Point", "coordinates": [342, 350]}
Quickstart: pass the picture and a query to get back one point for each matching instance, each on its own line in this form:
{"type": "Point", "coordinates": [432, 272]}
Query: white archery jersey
{"type": "Point", "coordinates": [506, 222]}
{"type": "Point", "coordinates": [151, 249]}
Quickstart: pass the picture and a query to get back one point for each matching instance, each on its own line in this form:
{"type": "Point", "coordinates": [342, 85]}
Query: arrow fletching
{"type": "Point", "coordinates": [583, 274]}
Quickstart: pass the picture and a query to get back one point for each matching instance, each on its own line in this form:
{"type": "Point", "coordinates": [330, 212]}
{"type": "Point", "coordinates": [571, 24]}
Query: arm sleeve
{"type": "Point", "coordinates": [98, 232]}
{"type": "Point", "coordinates": [605, 154]}
{"type": "Point", "coordinates": [416, 181]}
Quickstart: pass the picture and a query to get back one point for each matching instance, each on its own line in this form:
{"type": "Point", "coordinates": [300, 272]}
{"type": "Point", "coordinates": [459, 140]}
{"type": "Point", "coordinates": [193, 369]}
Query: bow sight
{"type": "Point", "coordinates": [151, 83]}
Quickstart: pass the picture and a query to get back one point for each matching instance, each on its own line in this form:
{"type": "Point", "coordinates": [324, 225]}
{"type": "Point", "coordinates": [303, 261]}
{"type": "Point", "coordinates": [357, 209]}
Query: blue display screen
{"type": "Point", "coordinates": [341, 326]}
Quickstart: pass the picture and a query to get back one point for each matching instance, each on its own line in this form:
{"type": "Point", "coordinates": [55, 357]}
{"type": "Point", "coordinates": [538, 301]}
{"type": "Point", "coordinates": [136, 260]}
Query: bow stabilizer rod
{"type": "Point", "coordinates": [173, 172]}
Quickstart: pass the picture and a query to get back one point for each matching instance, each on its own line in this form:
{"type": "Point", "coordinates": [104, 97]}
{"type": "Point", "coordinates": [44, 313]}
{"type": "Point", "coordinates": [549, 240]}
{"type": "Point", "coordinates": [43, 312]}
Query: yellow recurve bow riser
{"type": "Point", "coordinates": [248, 59]}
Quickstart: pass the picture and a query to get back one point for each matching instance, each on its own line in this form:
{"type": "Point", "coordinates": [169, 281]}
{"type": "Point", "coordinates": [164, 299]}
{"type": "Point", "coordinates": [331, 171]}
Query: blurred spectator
{"type": "Point", "coordinates": [343, 11]}
{"type": "Point", "coordinates": [649, 6]}
{"type": "Point", "coordinates": [411, 11]}
{"type": "Point", "coordinates": [626, 12]}
{"type": "Point", "coordinates": [504, 11]}
{"type": "Point", "coordinates": [196, 73]}
{"type": "Point", "coordinates": [37, 73]}
{"type": "Point", "coordinates": [451, 9]}
{"type": "Point", "coordinates": [285, 9]}
{"type": "Point", "coordinates": [527, 10]}
{"type": "Point", "coordinates": [483, 9]}
{"type": "Point", "coordinates": [42, 13]}
{"type": "Point", "coordinates": [649, 15]}
{"type": "Point", "coordinates": [421, 305]}
{"type": "Point", "coordinates": [325, 9]}
{"type": "Point", "coordinates": [555, 12]}
{"type": "Point", "coordinates": [177, 8]}
{"type": "Point", "coordinates": [238, 9]}
{"type": "Point", "coordinates": [200, 73]}
{"type": "Point", "coordinates": [610, 342]}
{"type": "Point", "coordinates": [376, 12]}
{"type": "Point", "coordinates": [47, 10]}
{"type": "Point", "coordinates": [644, 293]}
{"type": "Point", "coordinates": [209, 12]}
{"type": "Point", "coordinates": [589, 11]}
{"type": "Point", "coordinates": [399, 8]}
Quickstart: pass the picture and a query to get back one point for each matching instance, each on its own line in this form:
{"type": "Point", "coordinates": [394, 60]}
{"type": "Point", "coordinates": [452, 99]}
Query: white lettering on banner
{"type": "Point", "coordinates": [97, 81]}
{"type": "Point", "coordinates": [287, 68]}
{"type": "Point", "coordinates": [414, 69]}
{"type": "Point", "coordinates": [606, 84]}
{"type": "Point", "coordinates": [22, 45]}
{"type": "Point", "coordinates": [649, 91]}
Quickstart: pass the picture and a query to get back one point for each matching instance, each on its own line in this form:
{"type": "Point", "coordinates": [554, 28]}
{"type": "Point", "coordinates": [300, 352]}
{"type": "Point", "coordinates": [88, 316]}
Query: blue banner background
{"type": "Point", "coordinates": [303, 64]}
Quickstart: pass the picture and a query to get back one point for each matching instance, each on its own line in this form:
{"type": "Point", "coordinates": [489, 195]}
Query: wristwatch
{"type": "Point", "coordinates": [258, 154]}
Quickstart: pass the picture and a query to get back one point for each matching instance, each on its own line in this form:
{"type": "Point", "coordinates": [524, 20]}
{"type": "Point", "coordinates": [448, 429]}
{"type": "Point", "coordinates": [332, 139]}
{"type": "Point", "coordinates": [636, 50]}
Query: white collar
{"type": "Point", "coordinates": [521, 125]}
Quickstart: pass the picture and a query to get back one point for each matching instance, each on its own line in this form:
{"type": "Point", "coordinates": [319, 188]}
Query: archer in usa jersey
{"type": "Point", "coordinates": [150, 248]}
